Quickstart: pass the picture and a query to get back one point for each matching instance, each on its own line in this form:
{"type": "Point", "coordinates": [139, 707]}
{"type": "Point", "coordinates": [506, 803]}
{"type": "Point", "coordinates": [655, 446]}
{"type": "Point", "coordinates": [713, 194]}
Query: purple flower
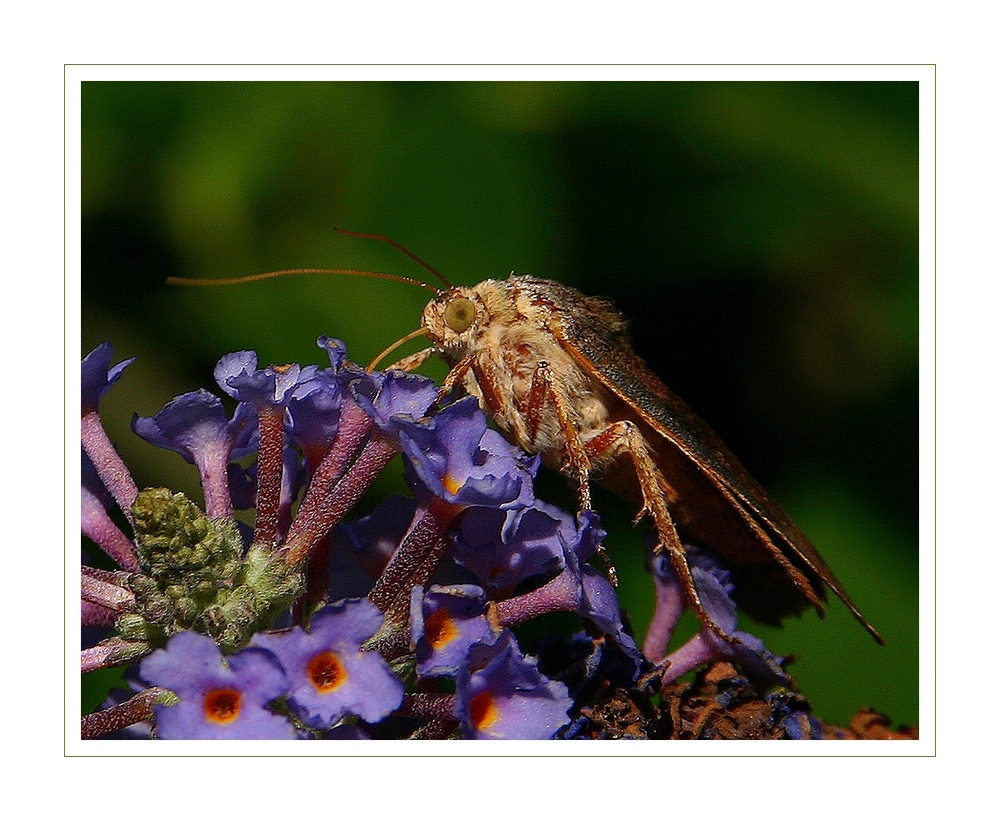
{"type": "Point", "coordinates": [97, 375]}
{"type": "Point", "coordinates": [337, 352]}
{"type": "Point", "coordinates": [391, 398]}
{"type": "Point", "coordinates": [501, 694]}
{"type": "Point", "coordinates": [195, 426]}
{"type": "Point", "coordinates": [506, 547]}
{"type": "Point", "coordinates": [330, 676]}
{"type": "Point", "coordinates": [711, 581]}
{"type": "Point", "coordinates": [313, 414]}
{"type": "Point", "coordinates": [445, 622]}
{"type": "Point", "coordinates": [578, 588]}
{"type": "Point", "coordinates": [238, 375]}
{"type": "Point", "coordinates": [455, 457]}
{"type": "Point", "coordinates": [219, 698]}
{"type": "Point", "coordinates": [268, 391]}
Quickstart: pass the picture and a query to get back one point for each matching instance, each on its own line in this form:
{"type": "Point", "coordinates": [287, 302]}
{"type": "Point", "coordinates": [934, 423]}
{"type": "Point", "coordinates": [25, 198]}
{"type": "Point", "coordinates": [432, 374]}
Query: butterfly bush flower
{"type": "Point", "coordinates": [457, 459]}
{"type": "Point", "coordinates": [446, 623]}
{"type": "Point", "coordinates": [502, 695]}
{"type": "Point", "coordinates": [714, 589]}
{"type": "Point", "coordinates": [97, 376]}
{"type": "Point", "coordinates": [313, 416]}
{"type": "Point", "coordinates": [453, 463]}
{"type": "Point", "coordinates": [218, 698]}
{"type": "Point", "coordinates": [267, 391]}
{"type": "Point", "coordinates": [195, 426]}
{"type": "Point", "coordinates": [504, 548]}
{"type": "Point", "coordinates": [403, 622]}
{"type": "Point", "coordinates": [330, 676]}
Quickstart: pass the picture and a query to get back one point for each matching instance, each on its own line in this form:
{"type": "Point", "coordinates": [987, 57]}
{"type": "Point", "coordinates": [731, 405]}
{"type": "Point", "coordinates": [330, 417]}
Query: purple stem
{"type": "Point", "coordinates": [93, 615]}
{"type": "Point", "coordinates": [670, 605]}
{"type": "Point", "coordinates": [100, 529]}
{"type": "Point", "coordinates": [561, 593]}
{"type": "Point", "coordinates": [270, 467]}
{"type": "Point", "coordinates": [136, 709]}
{"type": "Point", "coordinates": [97, 614]}
{"type": "Point", "coordinates": [213, 463]}
{"type": "Point", "coordinates": [108, 463]}
{"type": "Point", "coordinates": [417, 557]}
{"type": "Point", "coordinates": [332, 493]}
{"type": "Point", "coordinates": [106, 594]}
{"type": "Point", "coordinates": [696, 652]}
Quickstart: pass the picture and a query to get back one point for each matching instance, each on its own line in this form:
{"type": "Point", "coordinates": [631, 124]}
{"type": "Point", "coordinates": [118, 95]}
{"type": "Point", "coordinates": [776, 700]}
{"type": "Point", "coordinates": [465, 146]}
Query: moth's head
{"type": "Point", "coordinates": [454, 318]}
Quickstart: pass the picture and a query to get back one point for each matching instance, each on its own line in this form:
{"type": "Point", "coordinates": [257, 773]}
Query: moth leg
{"type": "Point", "coordinates": [453, 379]}
{"type": "Point", "coordinates": [576, 462]}
{"type": "Point", "coordinates": [625, 437]}
{"type": "Point", "coordinates": [541, 395]}
{"type": "Point", "coordinates": [456, 375]}
{"type": "Point", "coordinates": [413, 361]}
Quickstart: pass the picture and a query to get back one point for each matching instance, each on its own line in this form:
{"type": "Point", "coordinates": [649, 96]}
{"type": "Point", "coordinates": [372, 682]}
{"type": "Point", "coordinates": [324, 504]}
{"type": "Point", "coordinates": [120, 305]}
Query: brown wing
{"type": "Point", "coordinates": [681, 438]}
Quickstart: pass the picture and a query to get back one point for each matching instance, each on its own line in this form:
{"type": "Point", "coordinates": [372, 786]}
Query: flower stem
{"type": "Point", "coordinates": [111, 653]}
{"type": "Point", "coordinates": [136, 709]}
{"type": "Point", "coordinates": [561, 593]}
{"type": "Point", "coordinates": [97, 526]}
{"type": "Point", "coordinates": [330, 497]}
{"type": "Point", "coordinates": [270, 465]}
{"type": "Point", "coordinates": [416, 559]}
{"type": "Point", "coordinates": [106, 594]}
{"type": "Point", "coordinates": [109, 465]}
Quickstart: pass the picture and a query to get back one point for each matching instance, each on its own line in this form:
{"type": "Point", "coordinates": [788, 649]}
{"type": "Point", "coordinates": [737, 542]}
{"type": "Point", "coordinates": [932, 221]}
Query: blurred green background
{"type": "Point", "coordinates": [762, 238]}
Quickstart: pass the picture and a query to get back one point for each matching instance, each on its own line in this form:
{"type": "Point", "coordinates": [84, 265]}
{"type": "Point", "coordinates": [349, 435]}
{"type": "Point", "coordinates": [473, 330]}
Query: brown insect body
{"type": "Point", "coordinates": [558, 375]}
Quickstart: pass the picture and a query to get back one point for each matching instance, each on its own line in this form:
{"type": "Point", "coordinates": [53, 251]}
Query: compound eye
{"type": "Point", "coordinates": [460, 314]}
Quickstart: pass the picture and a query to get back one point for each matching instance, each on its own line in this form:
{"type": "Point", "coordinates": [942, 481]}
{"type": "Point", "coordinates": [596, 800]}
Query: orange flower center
{"type": "Point", "coordinates": [326, 672]}
{"type": "Point", "coordinates": [223, 706]}
{"type": "Point", "coordinates": [440, 629]}
{"type": "Point", "coordinates": [484, 711]}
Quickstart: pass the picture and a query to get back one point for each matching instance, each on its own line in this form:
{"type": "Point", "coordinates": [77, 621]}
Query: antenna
{"type": "Point", "coordinates": [398, 247]}
{"type": "Point", "coordinates": [292, 271]}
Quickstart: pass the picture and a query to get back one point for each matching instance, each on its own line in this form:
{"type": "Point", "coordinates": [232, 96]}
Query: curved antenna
{"type": "Point", "coordinates": [398, 247]}
{"type": "Point", "coordinates": [292, 271]}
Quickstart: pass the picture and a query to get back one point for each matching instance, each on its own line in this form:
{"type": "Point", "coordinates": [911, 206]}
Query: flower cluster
{"type": "Point", "coordinates": [402, 623]}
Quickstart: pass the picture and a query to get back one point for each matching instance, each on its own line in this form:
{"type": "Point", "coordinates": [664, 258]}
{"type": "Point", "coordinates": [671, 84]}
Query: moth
{"type": "Point", "coordinates": [556, 372]}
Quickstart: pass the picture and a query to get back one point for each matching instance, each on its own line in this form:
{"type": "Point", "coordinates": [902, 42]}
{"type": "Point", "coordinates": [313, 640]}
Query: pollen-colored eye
{"type": "Point", "coordinates": [460, 314]}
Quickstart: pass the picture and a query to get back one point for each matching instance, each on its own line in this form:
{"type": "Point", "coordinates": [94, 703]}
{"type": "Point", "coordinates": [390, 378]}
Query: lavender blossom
{"type": "Point", "coordinates": [234, 632]}
{"type": "Point", "coordinates": [330, 676]}
{"type": "Point", "coordinates": [218, 698]}
{"type": "Point", "coordinates": [195, 426]}
{"type": "Point", "coordinates": [712, 583]}
{"type": "Point", "coordinates": [502, 695]}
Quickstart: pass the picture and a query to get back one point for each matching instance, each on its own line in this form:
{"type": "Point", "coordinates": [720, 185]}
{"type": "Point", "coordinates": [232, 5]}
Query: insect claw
{"type": "Point", "coordinates": [645, 510]}
{"type": "Point", "coordinates": [649, 682]}
{"type": "Point", "coordinates": [612, 573]}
